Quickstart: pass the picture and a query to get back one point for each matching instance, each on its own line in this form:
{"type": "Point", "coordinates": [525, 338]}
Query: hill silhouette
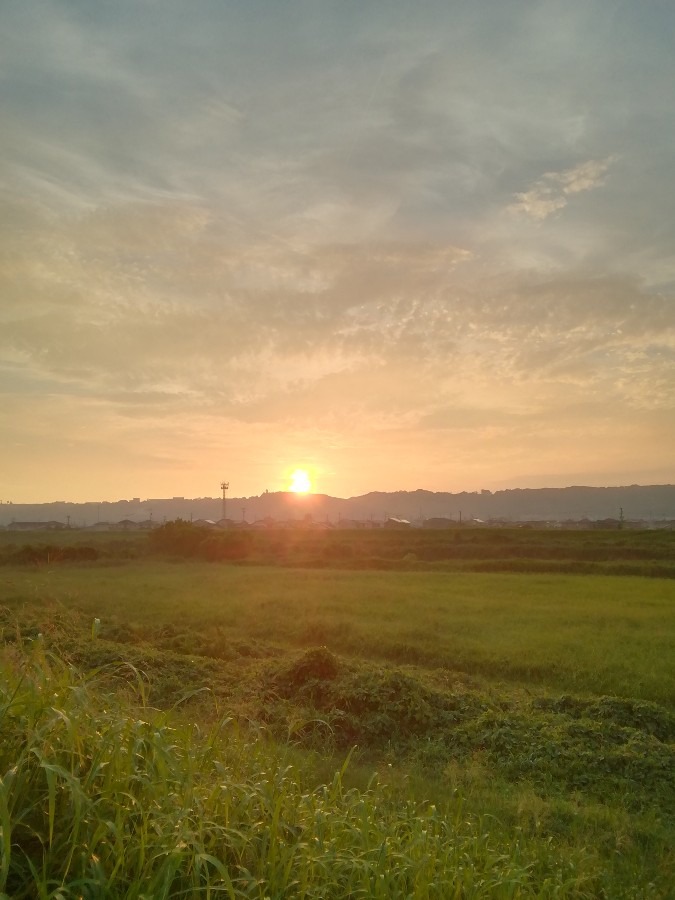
{"type": "Point", "coordinates": [649, 503]}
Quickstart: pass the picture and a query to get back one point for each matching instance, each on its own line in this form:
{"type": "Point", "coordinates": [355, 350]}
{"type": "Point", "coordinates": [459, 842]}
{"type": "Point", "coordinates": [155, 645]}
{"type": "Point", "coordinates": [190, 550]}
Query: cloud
{"type": "Point", "coordinates": [161, 308]}
{"type": "Point", "coordinates": [552, 191]}
{"type": "Point", "coordinates": [168, 301]}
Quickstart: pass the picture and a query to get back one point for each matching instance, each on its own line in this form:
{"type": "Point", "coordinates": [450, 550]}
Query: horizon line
{"type": "Point", "coordinates": [483, 491]}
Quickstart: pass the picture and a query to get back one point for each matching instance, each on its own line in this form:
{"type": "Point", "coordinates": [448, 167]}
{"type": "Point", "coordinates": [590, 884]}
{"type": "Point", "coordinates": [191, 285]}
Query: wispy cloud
{"type": "Point", "coordinates": [552, 191]}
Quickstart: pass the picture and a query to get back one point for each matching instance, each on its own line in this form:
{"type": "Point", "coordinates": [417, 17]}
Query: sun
{"type": "Point", "coordinates": [300, 483]}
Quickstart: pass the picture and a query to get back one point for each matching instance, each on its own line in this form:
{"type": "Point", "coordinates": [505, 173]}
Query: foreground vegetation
{"type": "Point", "coordinates": [99, 802]}
{"type": "Point", "coordinates": [184, 729]}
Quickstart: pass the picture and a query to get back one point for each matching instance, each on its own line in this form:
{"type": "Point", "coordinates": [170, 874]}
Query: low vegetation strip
{"type": "Point", "coordinates": [647, 553]}
{"type": "Point", "coordinates": [488, 549]}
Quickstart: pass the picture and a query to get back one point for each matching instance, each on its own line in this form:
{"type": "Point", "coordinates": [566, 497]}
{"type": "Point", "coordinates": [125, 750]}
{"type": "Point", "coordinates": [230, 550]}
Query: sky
{"type": "Point", "coordinates": [398, 245]}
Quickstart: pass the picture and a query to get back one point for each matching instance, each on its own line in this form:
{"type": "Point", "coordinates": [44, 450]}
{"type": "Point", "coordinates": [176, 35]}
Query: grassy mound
{"type": "Point", "coordinates": [604, 747]}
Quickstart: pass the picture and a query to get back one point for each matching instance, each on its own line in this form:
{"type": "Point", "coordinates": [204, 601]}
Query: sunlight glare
{"type": "Point", "coordinates": [300, 483]}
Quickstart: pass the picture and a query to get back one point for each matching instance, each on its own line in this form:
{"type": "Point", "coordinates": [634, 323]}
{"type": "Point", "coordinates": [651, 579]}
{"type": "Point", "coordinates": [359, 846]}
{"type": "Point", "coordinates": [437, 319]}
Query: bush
{"type": "Point", "coordinates": [177, 538]}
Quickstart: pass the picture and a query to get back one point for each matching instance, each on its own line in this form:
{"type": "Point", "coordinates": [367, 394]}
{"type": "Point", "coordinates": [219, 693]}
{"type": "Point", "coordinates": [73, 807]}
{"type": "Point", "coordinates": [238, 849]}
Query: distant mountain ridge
{"type": "Point", "coordinates": [635, 502]}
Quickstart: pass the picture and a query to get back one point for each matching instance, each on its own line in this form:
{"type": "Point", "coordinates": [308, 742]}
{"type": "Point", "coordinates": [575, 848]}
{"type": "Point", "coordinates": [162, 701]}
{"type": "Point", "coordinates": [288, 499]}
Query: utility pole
{"type": "Point", "coordinates": [224, 485]}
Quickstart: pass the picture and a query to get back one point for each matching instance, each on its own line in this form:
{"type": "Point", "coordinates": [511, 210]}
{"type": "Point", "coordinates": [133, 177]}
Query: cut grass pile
{"type": "Point", "coordinates": [605, 746]}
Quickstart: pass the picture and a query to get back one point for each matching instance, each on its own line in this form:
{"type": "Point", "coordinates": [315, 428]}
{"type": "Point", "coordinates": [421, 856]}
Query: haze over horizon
{"type": "Point", "coordinates": [394, 245]}
{"type": "Point", "coordinates": [306, 499]}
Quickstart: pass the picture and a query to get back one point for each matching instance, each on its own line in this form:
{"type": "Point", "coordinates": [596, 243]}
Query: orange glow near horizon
{"type": "Point", "coordinates": [300, 482]}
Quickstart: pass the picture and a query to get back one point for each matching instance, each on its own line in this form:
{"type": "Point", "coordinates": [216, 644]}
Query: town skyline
{"type": "Point", "coordinates": [631, 503]}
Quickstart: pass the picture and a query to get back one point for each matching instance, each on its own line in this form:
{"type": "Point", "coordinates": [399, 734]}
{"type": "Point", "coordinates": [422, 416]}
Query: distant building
{"type": "Point", "coordinates": [130, 525]}
{"type": "Point", "coordinates": [395, 522]}
{"type": "Point", "coordinates": [36, 526]}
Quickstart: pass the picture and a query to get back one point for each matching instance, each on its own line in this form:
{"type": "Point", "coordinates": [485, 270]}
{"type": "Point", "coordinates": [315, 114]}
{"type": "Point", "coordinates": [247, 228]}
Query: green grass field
{"type": "Point", "coordinates": [595, 634]}
{"type": "Point", "coordinates": [509, 735]}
